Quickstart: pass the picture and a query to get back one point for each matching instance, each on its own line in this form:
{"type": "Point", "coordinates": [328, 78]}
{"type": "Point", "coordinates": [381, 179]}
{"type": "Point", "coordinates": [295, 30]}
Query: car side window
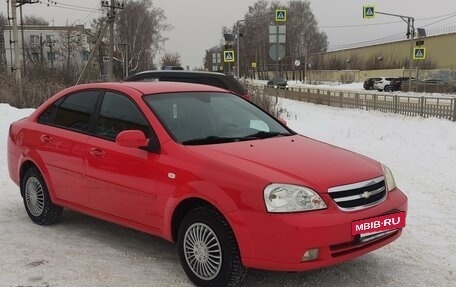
{"type": "Point", "coordinates": [118, 113]}
{"type": "Point", "coordinates": [73, 111]}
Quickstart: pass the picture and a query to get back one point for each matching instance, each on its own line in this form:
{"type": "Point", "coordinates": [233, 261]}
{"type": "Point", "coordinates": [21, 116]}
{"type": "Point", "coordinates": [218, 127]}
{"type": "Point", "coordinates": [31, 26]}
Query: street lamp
{"type": "Point", "coordinates": [410, 34]}
{"type": "Point", "coordinates": [238, 46]}
{"type": "Point", "coordinates": [239, 34]}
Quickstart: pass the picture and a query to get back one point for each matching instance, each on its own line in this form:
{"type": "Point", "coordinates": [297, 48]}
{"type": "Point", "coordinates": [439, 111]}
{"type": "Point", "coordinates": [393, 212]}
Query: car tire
{"type": "Point", "coordinates": [388, 88]}
{"type": "Point", "coordinates": [208, 249]}
{"type": "Point", "coordinates": [36, 198]}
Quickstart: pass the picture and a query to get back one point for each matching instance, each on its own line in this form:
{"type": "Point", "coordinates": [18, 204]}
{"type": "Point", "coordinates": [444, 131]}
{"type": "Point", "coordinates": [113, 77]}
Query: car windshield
{"type": "Point", "coordinates": [196, 118]}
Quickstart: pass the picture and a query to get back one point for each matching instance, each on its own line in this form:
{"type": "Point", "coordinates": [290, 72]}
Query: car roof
{"type": "Point", "coordinates": [203, 77]}
{"type": "Point", "coordinates": [152, 87]}
{"type": "Point", "coordinates": [176, 72]}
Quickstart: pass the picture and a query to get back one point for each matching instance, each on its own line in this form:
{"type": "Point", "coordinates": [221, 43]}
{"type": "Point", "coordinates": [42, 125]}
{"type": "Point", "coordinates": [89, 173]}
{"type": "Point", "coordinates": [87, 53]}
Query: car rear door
{"type": "Point", "coordinates": [121, 180]}
{"type": "Point", "coordinates": [61, 136]}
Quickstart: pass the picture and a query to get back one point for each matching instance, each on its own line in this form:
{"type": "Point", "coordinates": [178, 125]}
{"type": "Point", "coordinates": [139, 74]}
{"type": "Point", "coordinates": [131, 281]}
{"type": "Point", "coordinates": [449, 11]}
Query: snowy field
{"type": "Point", "coordinates": [81, 251]}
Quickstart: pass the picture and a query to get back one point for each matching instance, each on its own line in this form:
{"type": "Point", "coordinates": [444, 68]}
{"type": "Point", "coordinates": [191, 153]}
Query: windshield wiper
{"type": "Point", "coordinates": [215, 140]}
{"type": "Point", "coordinates": [265, 135]}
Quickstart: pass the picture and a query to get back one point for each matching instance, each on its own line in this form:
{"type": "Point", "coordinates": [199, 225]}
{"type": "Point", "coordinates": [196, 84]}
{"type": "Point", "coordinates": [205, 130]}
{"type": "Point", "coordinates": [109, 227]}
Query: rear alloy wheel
{"type": "Point", "coordinates": [37, 201]}
{"type": "Point", "coordinates": [388, 89]}
{"type": "Point", "coordinates": [208, 249]}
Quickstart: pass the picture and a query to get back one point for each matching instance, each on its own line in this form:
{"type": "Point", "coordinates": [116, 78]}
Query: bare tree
{"type": "Point", "coordinates": [171, 59]}
{"type": "Point", "coordinates": [35, 20]}
{"type": "Point", "coordinates": [302, 35]}
{"type": "Point", "coordinates": [3, 23]}
{"type": "Point", "coordinates": [139, 28]}
{"type": "Point", "coordinates": [67, 50]}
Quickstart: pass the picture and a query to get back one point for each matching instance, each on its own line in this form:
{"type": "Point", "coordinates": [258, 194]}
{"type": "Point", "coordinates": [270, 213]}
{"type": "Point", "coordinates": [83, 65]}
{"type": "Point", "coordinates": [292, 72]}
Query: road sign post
{"type": "Point", "coordinates": [277, 38]}
{"type": "Point", "coordinates": [369, 12]}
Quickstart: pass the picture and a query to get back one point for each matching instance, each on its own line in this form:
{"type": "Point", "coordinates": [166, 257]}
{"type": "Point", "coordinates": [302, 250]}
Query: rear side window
{"type": "Point", "coordinates": [73, 111]}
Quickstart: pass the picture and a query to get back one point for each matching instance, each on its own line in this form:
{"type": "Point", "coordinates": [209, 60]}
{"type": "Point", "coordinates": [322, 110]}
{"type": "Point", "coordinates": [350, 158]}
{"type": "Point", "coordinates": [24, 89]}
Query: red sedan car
{"type": "Point", "coordinates": [200, 166]}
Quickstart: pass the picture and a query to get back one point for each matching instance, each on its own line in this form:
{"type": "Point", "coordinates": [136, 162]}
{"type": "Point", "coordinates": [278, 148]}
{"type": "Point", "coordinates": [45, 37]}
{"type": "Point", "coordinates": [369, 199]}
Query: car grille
{"type": "Point", "coordinates": [359, 195]}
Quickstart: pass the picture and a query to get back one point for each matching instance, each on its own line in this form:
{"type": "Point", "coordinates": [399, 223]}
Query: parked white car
{"type": "Point", "coordinates": [384, 84]}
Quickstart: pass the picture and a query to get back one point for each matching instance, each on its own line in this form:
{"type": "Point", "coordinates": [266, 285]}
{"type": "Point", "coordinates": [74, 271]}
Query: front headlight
{"type": "Point", "coordinates": [291, 198]}
{"type": "Point", "coordinates": [390, 183]}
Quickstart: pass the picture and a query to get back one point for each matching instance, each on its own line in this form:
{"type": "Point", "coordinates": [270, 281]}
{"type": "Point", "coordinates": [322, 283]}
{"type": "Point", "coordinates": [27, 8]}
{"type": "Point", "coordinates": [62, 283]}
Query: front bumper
{"type": "Point", "coordinates": [278, 241]}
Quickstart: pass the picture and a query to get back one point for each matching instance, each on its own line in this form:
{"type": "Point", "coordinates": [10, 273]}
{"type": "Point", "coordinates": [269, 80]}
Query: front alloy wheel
{"type": "Point", "coordinates": [208, 249]}
{"type": "Point", "coordinates": [202, 251]}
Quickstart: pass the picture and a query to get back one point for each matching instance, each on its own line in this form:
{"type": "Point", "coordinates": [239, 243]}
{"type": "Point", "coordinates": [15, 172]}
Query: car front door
{"type": "Point", "coordinates": [121, 180]}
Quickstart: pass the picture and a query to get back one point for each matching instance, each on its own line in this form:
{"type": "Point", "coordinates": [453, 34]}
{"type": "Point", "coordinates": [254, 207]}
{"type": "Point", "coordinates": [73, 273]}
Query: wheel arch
{"type": "Point", "coordinates": [28, 163]}
{"type": "Point", "coordinates": [181, 211]}
{"type": "Point", "coordinates": [25, 166]}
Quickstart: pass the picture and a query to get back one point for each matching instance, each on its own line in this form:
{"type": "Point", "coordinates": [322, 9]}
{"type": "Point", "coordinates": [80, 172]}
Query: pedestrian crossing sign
{"type": "Point", "coordinates": [419, 53]}
{"type": "Point", "coordinates": [281, 15]}
{"type": "Point", "coordinates": [228, 56]}
{"type": "Point", "coordinates": [369, 11]}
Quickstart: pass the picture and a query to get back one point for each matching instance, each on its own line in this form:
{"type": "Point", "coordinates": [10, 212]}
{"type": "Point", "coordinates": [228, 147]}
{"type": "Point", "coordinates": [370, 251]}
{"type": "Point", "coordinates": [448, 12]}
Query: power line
{"type": "Point", "coordinates": [435, 22]}
{"type": "Point", "coordinates": [366, 42]}
{"type": "Point", "coordinates": [379, 40]}
{"type": "Point", "coordinates": [358, 25]}
{"type": "Point", "coordinates": [452, 14]}
{"type": "Point", "coordinates": [56, 4]}
{"type": "Point", "coordinates": [91, 14]}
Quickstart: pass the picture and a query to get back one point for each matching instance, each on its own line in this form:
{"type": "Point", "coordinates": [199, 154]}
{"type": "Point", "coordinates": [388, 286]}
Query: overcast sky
{"type": "Point", "coordinates": [197, 23]}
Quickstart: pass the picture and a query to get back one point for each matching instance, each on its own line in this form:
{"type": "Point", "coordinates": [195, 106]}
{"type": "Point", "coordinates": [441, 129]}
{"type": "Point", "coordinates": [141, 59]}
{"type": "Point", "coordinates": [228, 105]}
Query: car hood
{"type": "Point", "coordinates": [293, 159]}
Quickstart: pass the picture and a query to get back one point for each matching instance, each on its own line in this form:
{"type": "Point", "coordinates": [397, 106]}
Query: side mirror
{"type": "Point", "coordinates": [132, 138]}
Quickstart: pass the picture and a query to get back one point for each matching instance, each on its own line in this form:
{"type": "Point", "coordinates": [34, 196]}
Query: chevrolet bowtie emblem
{"type": "Point", "coordinates": [365, 194]}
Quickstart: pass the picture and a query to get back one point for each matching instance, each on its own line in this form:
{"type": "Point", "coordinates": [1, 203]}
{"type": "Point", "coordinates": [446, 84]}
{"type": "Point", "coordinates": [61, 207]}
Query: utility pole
{"type": "Point", "coordinates": [238, 47]}
{"type": "Point", "coordinates": [23, 41]}
{"type": "Point", "coordinates": [368, 12]}
{"type": "Point", "coordinates": [51, 52]}
{"type": "Point", "coordinates": [16, 66]}
{"type": "Point", "coordinates": [111, 42]}
{"type": "Point", "coordinates": [19, 4]}
{"type": "Point", "coordinates": [41, 51]}
{"type": "Point", "coordinates": [111, 18]}
{"type": "Point", "coordinates": [125, 62]}
{"type": "Point", "coordinates": [100, 38]}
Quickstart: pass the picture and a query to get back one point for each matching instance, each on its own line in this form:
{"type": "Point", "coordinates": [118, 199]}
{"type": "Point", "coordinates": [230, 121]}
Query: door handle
{"type": "Point", "coordinates": [46, 139]}
{"type": "Point", "coordinates": [96, 152]}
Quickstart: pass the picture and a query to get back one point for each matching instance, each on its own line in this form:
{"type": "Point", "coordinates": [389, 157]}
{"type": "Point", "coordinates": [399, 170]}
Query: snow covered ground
{"type": "Point", "coordinates": [82, 251]}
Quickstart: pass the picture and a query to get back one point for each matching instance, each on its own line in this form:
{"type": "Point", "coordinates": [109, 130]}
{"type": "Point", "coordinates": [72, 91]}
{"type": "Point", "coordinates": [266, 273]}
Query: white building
{"type": "Point", "coordinates": [50, 45]}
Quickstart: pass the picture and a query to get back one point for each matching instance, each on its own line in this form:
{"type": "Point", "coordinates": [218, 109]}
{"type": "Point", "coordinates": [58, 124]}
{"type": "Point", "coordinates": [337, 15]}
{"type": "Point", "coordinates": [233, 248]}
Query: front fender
{"type": "Point", "coordinates": [201, 190]}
